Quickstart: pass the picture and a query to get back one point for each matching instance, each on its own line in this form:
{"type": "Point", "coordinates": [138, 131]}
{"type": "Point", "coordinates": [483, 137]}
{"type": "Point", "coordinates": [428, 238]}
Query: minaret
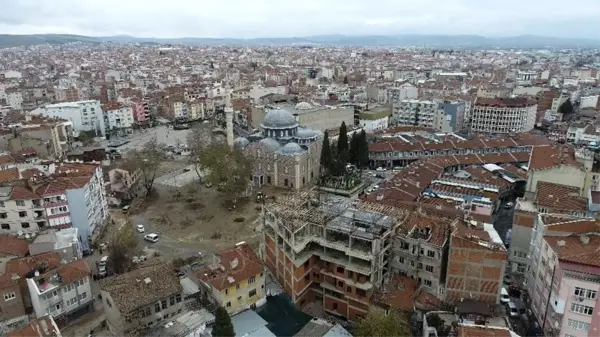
{"type": "Point", "coordinates": [228, 116]}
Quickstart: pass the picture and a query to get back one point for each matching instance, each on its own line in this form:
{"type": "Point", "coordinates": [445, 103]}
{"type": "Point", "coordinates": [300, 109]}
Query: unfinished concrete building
{"type": "Point", "coordinates": [325, 250]}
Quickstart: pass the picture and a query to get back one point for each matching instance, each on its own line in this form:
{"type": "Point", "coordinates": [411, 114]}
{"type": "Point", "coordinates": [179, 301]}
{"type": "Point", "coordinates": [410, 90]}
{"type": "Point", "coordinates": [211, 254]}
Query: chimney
{"type": "Point", "coordinates": [561, 243]}
{"type": "Point", "coordinates": [584, 239]}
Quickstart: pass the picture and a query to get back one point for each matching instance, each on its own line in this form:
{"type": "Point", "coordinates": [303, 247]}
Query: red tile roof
{"type": "Point", "coordinates": [235, 265]}
{"type": "Point", "coordinates": [41, 327]}
{"type": "Point", "coordinates": [13, 246]}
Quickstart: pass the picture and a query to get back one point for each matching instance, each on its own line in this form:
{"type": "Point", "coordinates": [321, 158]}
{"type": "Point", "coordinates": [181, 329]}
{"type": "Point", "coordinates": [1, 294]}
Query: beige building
{"type": "Point", "coordinates": [142, 298]}
{"type": "Point", "coordinates": [284, 153]}
{"type": "Point", "coordinates": [319, 118]}
{"type": "Point", "coordinates": [48, 140]}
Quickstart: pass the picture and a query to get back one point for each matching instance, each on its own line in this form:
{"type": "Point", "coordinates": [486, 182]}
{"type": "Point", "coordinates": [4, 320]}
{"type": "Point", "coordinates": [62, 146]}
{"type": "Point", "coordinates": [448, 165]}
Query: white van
{"type": "Point", "coordinates": [151, 237]}
{"type": "Point", "coordinates": [504, 298]}
{"type": "Point", "coordinates": [512, 309]}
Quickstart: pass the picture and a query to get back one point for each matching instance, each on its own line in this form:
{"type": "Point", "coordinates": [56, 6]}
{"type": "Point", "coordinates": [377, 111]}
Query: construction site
{"type": "Point", "coordinates": [323, 249]}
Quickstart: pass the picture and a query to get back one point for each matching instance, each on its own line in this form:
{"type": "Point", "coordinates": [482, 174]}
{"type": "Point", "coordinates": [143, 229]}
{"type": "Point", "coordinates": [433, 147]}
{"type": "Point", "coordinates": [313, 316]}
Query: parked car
{"type": "Point", "coordinates": [140, 228]}
{"type": "Point", "coordinates": [151, 237]}
{"type": "Point", "coordinates": [509, 205]}
{"type": "Point", "coordinates": [380, 169]}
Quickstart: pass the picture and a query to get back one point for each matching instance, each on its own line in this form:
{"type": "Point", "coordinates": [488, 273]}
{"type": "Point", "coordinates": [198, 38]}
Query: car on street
{"type": "Point", "coordinates": [509, 205]}
{"type": "Point", "coordinates": [140, 228]}
{"type": "Point", "coordinates": [151, 237]}
{"type": "Point", "coordinates": [380, 169]}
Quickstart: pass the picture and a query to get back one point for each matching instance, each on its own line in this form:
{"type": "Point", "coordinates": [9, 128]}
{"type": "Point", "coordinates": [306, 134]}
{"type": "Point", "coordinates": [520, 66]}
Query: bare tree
{"type": "Point", "coordinates": [196, 141]}
{"type": "Point", "coordinates": [227, 168]}
{"type": "Point", "coordinates": [122, 246]}
{"type": "Point", "coordinates": [148, 160]}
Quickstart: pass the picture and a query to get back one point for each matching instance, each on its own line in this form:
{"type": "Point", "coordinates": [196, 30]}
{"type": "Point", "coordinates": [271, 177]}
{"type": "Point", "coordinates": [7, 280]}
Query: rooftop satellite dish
{"type": "Point", "coordinates": [26, 236]}
{"type": "Point", "coordinates": [20, 233]}
{"type": "Point", "coordinates": [37, 273]}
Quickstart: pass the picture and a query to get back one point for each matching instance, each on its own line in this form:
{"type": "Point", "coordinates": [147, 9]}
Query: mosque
{"type": "Point", "coordinates": [285, 154]}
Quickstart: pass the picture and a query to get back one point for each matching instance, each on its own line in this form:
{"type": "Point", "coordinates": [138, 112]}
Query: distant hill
{"type": "Point", "coordinates": [432, 41]}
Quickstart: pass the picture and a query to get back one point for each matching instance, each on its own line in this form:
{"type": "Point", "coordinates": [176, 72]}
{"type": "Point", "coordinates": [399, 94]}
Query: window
{"type": "Point", "coordinates": [429, 268]}
{"type": "Point", "coordinates": [520, 255]}
{"type": "Point", "coordinates": [24, 224]}
{"type": "Point", "coordinates": [582, 309]}
{"type": "Point", "coordinates": [252, 293]}
{"type": "Point", "coordinates": [157, 307]}
{"type": "Point", "coordinates": [361, 293]}
{"type": "Point", "coordinates": [586, 293]}
{"type": "Point", "coordinates": [1, 203]}
{"type": "Point", "coordinates": [228, 304]}
{"type": "Point", "coordinates": [3, 216]}
{"type": "Point", "coordinates": [401, 260]}
{"type": "Point", "coordinates": [20, 202]}
{"type": "Point", "coordinates": [22, 214]}
{"type": "Point", "coordinates": [226, 291]}
{"type": "Point", "coordinates": [427, 283]}
{"type": "Point", "coordinates": [578, 325]}
{"type": "Point", "coordinates": [9, 296]}
{"type": "Point", "coordinates": [163, 304]}
{"type": "Point", "coordinates": [178, 298]}
{"type": "Point", "coordinates": [404, 245]}
{"type": "Point", "coordinates": [252, 280]}
{"type": "Point", "coordinates": [108, 303]}
{"type": "Point", "coordinates": [430, 253]}
{"type": "Point", "coordinates": [146, 312]}
{"type": "Point", "coordinates": [5, 226]}
{"type": "Point", "coordinates": [340, 269]}
{"type": "Point", "coordinates": [172, 301]}
{"type": "Point", "coordinates": [419, 265]}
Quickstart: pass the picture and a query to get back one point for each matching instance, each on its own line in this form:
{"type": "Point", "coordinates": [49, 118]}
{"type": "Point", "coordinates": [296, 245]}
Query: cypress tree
{"type": "Point", "coordinates": [223, 326]}
{"type": "Point", "coordinates": [363, 150]}
{"type": "Point", "coordinates": [354, 149]}
{"type": "Point", "coordinates": [342, 145]}
{"type": "Point", "coordinates": [326, 153]}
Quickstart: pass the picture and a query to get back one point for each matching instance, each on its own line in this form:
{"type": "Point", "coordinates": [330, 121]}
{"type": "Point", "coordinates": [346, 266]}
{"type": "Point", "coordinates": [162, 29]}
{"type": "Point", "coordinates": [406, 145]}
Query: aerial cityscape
{"type": "Point", "coordinates": [363, 173]}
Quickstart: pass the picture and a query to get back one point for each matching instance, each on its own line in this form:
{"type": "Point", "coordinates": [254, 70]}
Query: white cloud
{"type": "Point", "coordinates": [261, 18]}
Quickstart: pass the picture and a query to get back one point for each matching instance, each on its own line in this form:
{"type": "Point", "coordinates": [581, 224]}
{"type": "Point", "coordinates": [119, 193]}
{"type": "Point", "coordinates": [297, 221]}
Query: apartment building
{"type": "Point", "coordinates": [503, 115]}
{"type": "Point", "coordinates": [518, 251]}
{"type": "Point", "coordinates": [415, 112]}
{"type": "Point", "coordinates": [401, 91]}
{"type": "Point", "coordinates": [117, 116]}
{"type": "Point", "coordinates": [234, 279]}
{"type": "Point", "coordinates": [325, 251]}
{"type": "Point", "coordinates": [158, 298]}
{"type": "Point", "coordinates": [63, 293]}
{"type": "Point", "coordinates": [476, 263]}
{"type": "Point", "coordinates": [11, 300]}
{"type": "Point", "coordinates": [563, 280]}
{"type": "Point", "coordinates": [47, 139]}
{"type": "Point", "coordinates": [85, 116]}
{"type": "Point", "coordinates": [419, 250]}
{"type": "Point", "coordinates": [558, 198]}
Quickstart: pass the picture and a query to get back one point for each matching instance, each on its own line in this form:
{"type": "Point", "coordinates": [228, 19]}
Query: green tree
{"type": "Point", "coordinates": [566, 108]}
{"type": "Point", "coordinates": [342, 144]}
{"type": "Point", "coordinates": [148, 160]}
{"type": "Point", "coordinates": [378, 324]}
{"type": "Point", "coordinates": [223, 326]}
{"type": "Point", "coordinates": [85, 138]}
{"type": "Point", "coordinates": [353, 152]}
{"type": "Point", "coordinates": [326, 153]}
{"type": "Point", "coordinates": [363, 150]}
{"type": "Point", "coordinates": [227, 168]}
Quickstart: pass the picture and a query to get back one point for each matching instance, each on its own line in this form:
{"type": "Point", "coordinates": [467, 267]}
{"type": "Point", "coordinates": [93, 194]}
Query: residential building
{"type": "Point", "coordinates": [64, 292]}
{"type": "Point", "coordinates": [47, 139]}
{"type": "Point", "coordinates": [86, 116]}
{"type": "Point", "coordinates": [376, 119]}
{"type": "Point", "coordinates": [556, 163]}
{"type": "Point", "coordinates": [476, 263]}
{"type": "Point", "coordinates": [234, 279]}
{"type": "Point", "coordinates": [11, 248]}
{"type": "Point", "coordinates": [415, 112]}
{"type": "Point", "coordinates": [39, 327]}
{"type": "Point", "coordinates": [326, 251]}
{"type": "Point", "coordinates": [402, 91]}
{"type": "Point", "coordinates": [65, 242]}
{"type": "Point", "coordinates": [503, 115]}
{"type": "Point", "coordinates": [124, 183]}
{"type": "Point", "coordinates": [518, 251]}
{"type": "Point", "coordinates": [419, 251]}
{"type": "Point", "coordinates": [558, 198]}
{"type": "Point", "coordinates": [158, 298]}
{"type": "Point", "coordinates": [117, 116]}
{"type": "Point", "coordinates": [563, 279]}
{"type": "Point", "coordinates": [11, 300]}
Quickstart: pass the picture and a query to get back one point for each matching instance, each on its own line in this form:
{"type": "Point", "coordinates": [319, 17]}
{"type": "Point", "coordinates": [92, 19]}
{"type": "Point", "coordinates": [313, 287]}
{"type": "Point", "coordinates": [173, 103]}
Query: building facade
{"type": "Point", "coordinates": [86, 116]}
{"type": "Point", "coordinates": [503, 115]}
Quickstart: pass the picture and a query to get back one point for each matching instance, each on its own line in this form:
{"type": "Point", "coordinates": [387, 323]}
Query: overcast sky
{"type": "Point", "coordinates": [284, 18]}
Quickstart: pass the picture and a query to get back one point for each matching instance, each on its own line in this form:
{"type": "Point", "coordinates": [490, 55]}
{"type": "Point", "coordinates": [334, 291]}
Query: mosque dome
{"type": "Point", "coordinates": [303, 106]}
{"type": "Point", "coordinates": [279, 119]}
{"type": "Point", "coordinates": [291, 149]}
{"type": "Point", "coordinates": [240, 142]}
{"type": "Point", "coordinates": [305, 133]}
{"type": "Point", "coordinates": [271, 143]}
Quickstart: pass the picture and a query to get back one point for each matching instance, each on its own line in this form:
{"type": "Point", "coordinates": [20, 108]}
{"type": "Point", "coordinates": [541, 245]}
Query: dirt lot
{"type": "Point", "coordinates": [195, 214]}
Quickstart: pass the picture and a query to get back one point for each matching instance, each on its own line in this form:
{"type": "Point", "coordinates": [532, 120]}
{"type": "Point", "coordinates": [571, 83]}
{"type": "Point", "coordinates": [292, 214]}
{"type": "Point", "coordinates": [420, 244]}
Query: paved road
{"type": "Point", "coordinates": [504, 219]}
{"type": "Point", "coordinates": [162, 133]}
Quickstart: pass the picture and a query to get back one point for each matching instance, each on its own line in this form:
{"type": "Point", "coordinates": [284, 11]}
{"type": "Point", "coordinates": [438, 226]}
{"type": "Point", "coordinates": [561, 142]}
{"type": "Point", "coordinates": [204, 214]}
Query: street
{"type": "Point", "coordinates": [503, 219]}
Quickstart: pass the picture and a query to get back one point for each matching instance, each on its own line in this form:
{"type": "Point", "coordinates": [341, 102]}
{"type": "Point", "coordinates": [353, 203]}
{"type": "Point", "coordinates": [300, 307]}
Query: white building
{"type": "Point", "coordinates": [375, 120]}
{"type": "Point", "coordinates": [503, 115]}
{"type": "Point", "coordinates": [180, 110]}
{"type": "Point", "coordinates": [405, 91]}
{"type": "Point", "coordinates": [14, 99]}
{"type": "Point", "coordinates": [61, 292]}
{"type": "Point", "coordinates": [414, 112]}
{"type": "Point", "coordinates": [118, 118]}
{"type": "Point", "coordinates": [85, 115]}
{"type": "Point", "coordinates": [588, 101]}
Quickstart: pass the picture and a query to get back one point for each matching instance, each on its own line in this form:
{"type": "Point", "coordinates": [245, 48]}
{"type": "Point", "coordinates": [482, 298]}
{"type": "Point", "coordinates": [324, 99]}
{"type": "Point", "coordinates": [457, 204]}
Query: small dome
{"type": "Point", "coordinates": [240, 142]}
{"type": "Point", "coordinates": [271, 143]}
{"type": "Point", "coordinates": [291, 149]}
{"type": "Point", "coordinates": [279, 119]}
{"type": "Point", "coordinates": [305, 133]}
{"type": "Point", "coordinates": [303, 106]}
